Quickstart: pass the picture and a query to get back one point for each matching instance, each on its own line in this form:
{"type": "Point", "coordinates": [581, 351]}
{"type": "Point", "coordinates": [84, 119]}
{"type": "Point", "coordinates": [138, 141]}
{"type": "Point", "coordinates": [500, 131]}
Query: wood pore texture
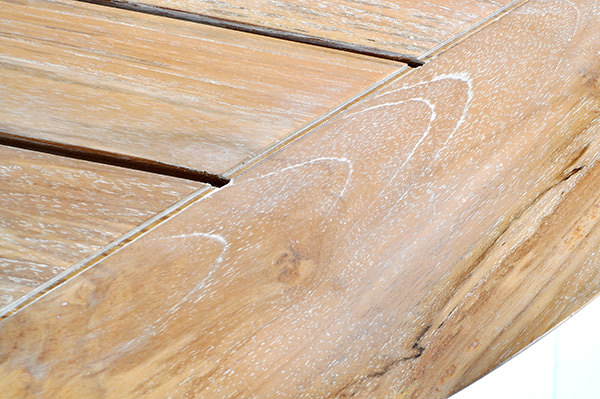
{"type": "Point", "coordinates": [403, 248]}
{"type": "Point", "coordinates": [163, 89]}
{"type": "Point", "coordinates": [410, 27]}
{"type": "Point", "coordinates": [55, 211]}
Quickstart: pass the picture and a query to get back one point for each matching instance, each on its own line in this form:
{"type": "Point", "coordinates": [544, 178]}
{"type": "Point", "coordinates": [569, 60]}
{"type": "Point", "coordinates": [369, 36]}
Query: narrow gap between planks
{"type": "Point", "coordinates": [111, 158]}
{"type": "Point", "coordinates": [297, 37]}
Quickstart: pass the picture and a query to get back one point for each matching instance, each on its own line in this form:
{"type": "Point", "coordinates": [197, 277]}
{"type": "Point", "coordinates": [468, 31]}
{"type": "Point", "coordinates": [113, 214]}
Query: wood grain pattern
{"type": "Point", "coordinates": [409, 27]}
{"type": "Point", "coordinates": [402, 249]}
{"type": "Point", "coordinates": [55, 211]}
{"type": "Point", "coordinates": [157, 88]}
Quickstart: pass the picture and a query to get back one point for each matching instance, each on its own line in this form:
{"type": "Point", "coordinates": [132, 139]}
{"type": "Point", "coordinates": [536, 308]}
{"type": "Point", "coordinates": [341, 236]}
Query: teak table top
{"type": "Point", "coordinates": [222, 200]}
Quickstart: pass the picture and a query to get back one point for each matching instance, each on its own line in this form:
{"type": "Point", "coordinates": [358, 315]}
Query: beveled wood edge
{"type": "Point", "coordinates": [280, 145]}
{"type": "Point", "coordinates": [535, 341]}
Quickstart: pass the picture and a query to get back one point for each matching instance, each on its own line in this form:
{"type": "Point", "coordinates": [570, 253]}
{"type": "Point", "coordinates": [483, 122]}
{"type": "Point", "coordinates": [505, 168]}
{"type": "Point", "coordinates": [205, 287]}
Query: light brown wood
{"type": "Point", "coordinates": [401, 249]}
{"type": "Point", "coordinates": [55, 211]}
{"type": "Point", "coordinates": [410, 27]}
{"type": "Point", "coordinates": [158, 88]}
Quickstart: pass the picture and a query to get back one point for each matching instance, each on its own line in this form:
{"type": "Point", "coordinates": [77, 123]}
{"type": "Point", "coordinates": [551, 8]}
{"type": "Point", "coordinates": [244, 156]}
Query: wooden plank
{"type": "Point", "coordinates": [552, 367]}
{"type": "Point", "coordinates": [162, 89]}
{"type": "Point", "coordinates": [55, 211]}
{"type": "Point", "coordinates": [409, 27]}
{"type": "Point", "coordinates": [401, 249]}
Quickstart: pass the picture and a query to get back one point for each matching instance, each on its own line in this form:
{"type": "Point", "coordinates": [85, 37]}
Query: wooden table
{"type": "Point", "coordinates": [269, 199]}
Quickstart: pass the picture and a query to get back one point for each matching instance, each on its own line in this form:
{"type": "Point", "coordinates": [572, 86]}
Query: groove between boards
{"type": "Point", "coordinates": [297, 37]}
{"type": "Point", "coordinates": [111, 158]}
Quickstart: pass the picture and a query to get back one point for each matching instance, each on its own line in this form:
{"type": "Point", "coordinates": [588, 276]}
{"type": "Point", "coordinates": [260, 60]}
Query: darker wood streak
{"type": "Point", "coordinates": [297, 37]}
{"type": "Point", "coordinates": [111, 158]}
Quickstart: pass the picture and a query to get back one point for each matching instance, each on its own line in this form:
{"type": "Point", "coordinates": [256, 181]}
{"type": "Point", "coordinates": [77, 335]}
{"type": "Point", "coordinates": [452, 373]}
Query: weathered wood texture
{"type": "Point", "coordinates": [401, 249]}
{"type": "Point", "coordinates": [167, 90]}
{"type": "Point", "coordinates": [409, 26]}
{"type": "Point", "coordinates": [561, 364]}
{"type": "Point", "coordinates": [54, 211]}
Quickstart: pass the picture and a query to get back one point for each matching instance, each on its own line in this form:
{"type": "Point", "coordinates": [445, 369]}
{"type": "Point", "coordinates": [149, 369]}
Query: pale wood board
{"type": "Point", "coordinates": [410, 27]}
{"type": "Point", "coordinates": [401, 249]}
{"type": "Point", "coordinates": [162, 89]}
{"type": "Point", "coordinates": [55, 211]}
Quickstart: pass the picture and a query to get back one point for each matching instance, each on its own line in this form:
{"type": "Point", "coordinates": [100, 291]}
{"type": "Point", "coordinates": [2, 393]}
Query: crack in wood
{"type": "Point", "coordinates": [481, 258]}
{"type": "Point", "coordinates": [347, 390]}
